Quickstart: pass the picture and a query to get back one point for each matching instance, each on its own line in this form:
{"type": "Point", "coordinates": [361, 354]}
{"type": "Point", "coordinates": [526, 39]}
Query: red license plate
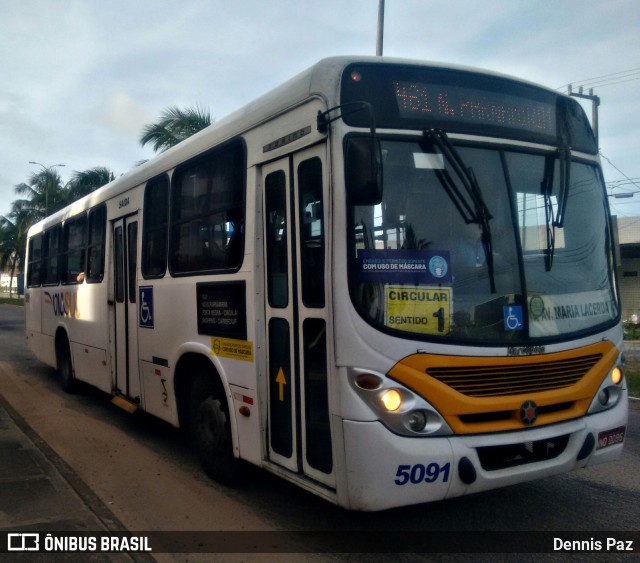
{"type": "Point", "coordinates": [611, 437]}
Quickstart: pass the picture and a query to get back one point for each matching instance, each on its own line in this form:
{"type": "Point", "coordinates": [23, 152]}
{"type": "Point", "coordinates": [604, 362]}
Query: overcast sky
{"type": "Point", "coordinates": [80, 78]}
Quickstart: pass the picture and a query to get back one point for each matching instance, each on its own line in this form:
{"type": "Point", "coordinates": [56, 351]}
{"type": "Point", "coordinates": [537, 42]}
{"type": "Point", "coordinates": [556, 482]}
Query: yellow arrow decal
{"type": "Point", "coordinates": [281, 381]}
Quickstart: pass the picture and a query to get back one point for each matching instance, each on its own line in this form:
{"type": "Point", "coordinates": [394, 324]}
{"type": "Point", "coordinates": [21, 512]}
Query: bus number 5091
{"type": "Point", "coordinates": [422, 474]}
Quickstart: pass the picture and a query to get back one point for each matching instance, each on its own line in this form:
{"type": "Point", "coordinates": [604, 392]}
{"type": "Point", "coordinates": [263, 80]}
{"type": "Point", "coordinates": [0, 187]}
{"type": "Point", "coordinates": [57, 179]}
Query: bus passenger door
{"type": "Point", "coordinates": [299, 435]}
{"type": "Point", "coordinates": [124, 270]}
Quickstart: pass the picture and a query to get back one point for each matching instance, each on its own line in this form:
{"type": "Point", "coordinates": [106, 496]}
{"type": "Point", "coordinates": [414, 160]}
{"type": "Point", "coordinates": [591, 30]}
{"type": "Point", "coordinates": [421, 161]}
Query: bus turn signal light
{"type": "Point", "coordinates": [368, 381]}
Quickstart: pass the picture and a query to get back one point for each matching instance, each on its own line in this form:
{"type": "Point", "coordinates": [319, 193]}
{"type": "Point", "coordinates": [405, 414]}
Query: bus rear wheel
{"type": "Point", "coordinates": [211, 432]}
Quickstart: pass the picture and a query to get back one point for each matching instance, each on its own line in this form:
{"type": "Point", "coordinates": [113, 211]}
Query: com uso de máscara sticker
{"type": "Point", "coordinates": [424, 267]}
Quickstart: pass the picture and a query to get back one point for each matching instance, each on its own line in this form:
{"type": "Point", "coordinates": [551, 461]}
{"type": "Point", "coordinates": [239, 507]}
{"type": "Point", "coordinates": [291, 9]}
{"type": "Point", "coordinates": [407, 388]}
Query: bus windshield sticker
{"type": "Point", "coordinates": [418, 267]}
{"type": "Point", "coordinates": [513, 319]}
{"type": "Point", "coordinates": [428, 161]}
{"type": "Point", "coordinates": [425, 310]}
{"type": "Point", "coordinates": [558, 314]}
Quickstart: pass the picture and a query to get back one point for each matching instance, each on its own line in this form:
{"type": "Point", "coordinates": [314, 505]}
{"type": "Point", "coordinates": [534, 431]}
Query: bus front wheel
{"type": "Point", "coordinates": [65, 366]}
{"type": "Point", "coordinates": [211, 432]}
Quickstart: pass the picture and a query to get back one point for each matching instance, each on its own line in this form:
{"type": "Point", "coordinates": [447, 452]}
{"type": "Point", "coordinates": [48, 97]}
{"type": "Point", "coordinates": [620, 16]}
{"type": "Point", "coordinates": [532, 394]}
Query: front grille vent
{"type": "Point", "coordinates": [501, 380]}
{"type": "Point", "coordinates": [493, 458]}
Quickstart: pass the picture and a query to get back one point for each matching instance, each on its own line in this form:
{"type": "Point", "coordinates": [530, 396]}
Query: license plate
{"type": "Point", "coordinates": [611, 437]}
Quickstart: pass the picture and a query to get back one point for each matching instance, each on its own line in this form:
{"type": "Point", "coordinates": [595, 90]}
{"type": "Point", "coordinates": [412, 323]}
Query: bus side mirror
{"type": "Point", "coordinates": [363, 157]}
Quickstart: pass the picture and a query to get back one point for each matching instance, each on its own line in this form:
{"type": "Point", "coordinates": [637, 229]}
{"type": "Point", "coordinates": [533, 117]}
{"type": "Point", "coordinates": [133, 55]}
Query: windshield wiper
{"type": "Point", "coordinates": [475, 211]}
{"type": "Point", "coordinates": [546, 187]}
{"type": "Point", "coordinates": [556, 219]}
{"type": "Point", "coordinates": [565, 178]}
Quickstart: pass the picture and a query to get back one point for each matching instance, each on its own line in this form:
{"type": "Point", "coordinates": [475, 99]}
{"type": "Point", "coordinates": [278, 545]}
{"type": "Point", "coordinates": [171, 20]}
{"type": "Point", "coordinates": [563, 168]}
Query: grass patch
{"type": "Point", "coordinates": [16, 301]}
{"type": "Point", "coordinates": [632, 374]}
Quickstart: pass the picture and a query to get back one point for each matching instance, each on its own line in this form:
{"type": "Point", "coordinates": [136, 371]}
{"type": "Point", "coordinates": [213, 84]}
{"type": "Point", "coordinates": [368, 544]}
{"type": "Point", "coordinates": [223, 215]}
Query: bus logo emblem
{"type": "Point", "coordinates": [528, 413]}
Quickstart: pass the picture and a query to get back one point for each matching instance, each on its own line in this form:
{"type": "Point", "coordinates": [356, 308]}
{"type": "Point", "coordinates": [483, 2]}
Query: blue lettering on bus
{"type": "Point", "coordinates": [419, 473]}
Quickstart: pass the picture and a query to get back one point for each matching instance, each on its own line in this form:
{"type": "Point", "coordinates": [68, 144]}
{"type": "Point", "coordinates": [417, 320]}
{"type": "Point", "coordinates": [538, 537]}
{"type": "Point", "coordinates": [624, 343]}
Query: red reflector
{"type": "Point", "coordinates": [248, 400]}
{"type": "Point", "coordinates": [158, 372]}
{"type": "Point", "coordinates": [244, 411]}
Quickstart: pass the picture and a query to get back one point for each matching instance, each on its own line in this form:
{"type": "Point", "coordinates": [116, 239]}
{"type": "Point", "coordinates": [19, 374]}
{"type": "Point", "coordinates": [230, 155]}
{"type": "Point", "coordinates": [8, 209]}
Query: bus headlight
{"type": "Point", "coordinates": [610, 392]}
{"type": "Point", "coordinates": [401, 410]}
{"type": "Point", "coordinates": [391, 399]}
{"type": "Point", "coordinates": [616, 375]}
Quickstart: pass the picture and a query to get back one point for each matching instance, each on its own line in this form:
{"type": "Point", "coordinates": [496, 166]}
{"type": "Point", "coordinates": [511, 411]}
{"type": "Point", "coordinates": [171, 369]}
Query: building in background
{"type": "Point", "coordinates": [629, 267]}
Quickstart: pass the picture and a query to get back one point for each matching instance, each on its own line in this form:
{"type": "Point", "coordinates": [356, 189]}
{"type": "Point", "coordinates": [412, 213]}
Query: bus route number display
{"type": "Point", "coordinates": [420, 309]}
{"type": "Point", "coordinates": [469, 105]}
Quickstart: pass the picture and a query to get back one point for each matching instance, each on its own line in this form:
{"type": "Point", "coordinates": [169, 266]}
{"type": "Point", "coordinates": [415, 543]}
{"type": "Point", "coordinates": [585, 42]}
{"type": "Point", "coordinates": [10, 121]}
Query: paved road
{"type": "Point", "coordinates": [137, 472]}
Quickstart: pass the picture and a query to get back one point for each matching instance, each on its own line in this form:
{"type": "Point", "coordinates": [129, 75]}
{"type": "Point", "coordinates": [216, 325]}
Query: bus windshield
{"type": "Point", "coordinates": [425, 265]}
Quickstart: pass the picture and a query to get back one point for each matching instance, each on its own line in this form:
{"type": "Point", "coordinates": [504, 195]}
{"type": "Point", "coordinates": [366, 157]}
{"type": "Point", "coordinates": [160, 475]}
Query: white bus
{"type": "Point", "coordinates": [389, 282]}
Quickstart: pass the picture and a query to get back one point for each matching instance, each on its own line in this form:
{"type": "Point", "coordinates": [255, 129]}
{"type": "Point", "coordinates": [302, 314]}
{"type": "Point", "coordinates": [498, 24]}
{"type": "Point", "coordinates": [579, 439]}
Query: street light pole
{"type": "Point", "coordinates": [46, 186]}
{"type": "Point", "coordinates": [380, 36]}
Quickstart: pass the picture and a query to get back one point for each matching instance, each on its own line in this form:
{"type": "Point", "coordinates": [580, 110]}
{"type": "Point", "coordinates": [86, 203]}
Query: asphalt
{"type": "Point", "coordinates": [39, 492]}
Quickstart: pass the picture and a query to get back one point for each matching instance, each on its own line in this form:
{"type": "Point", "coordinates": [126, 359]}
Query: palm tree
{"type": "Point", "coordinates": [13, 239]}
{"type": "Point", "coordinates": [8, 247]}
{"type": "Point", "coordinates": [175, 125]}
{"type": "Point", "coordinates": [83, 183]}
{"type": "Point", "coordinates": [44, 192]}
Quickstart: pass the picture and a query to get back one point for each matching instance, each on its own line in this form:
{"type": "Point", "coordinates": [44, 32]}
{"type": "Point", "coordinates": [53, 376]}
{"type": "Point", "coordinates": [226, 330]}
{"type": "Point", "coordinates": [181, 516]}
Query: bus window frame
{"type": "Point", "coordinates": [90, 244]}
{"type": "Point", "coordinates": [45, 255]}
{"type": "Point", "coordinates": [150, 225]}
{"type": "Point", "coordinates": [64, 255]}
{"type": "Point", "coordinates": [237, 143]}
{"type": "Point", "coordinates": [31, 262]}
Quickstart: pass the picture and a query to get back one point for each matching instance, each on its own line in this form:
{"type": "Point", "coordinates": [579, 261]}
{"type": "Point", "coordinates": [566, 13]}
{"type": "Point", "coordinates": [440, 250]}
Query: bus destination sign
{"type": "Point", "coordinates": [471, 105]}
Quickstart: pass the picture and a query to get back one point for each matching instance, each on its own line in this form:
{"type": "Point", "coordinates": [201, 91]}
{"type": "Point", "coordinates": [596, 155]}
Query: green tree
{"type": "Point", "coordinates": [13, 238]}
{"type": "Point", "coordinates": [174, 126]}
{"type": "Point", "coordinates": [44, 193]}
{"type": "Point", "coordinates": [87, 181]}
{"type": "Point", "coordinates": [8, 247]}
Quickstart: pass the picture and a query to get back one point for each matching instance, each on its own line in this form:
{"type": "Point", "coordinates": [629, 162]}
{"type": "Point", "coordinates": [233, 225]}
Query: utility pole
{"type": "Point", "coordinates": [595, 102]}
{"type": "Point", "coordinates": [380, 28]}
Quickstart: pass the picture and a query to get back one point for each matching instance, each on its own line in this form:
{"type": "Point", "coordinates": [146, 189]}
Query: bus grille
{"type": "Point", "coordinates": [501, 380]}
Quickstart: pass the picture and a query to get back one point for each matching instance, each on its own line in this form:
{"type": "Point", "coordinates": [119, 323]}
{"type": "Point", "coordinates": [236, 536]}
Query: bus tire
{"type": "Point", "coordinates": [211, 432]}
{"type": "Point", "coordinates": [64, 366]}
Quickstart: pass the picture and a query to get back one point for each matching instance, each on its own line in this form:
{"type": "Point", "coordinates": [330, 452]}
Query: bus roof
{"type": "Point", "coordinates": [321, 80]}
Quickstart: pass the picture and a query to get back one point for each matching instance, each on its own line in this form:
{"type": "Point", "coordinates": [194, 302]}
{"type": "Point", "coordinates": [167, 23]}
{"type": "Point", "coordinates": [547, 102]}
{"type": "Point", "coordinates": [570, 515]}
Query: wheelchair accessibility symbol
{"type": "Point", "coordinates": [513, 317]}
{"type": "Point", "coordinates": [145, 310]}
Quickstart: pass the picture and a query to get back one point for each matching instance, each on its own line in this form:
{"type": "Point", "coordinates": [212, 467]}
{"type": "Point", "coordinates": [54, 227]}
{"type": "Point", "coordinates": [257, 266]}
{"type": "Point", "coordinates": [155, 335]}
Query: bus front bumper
{"type": "Point", "coordinates": [384, 470]}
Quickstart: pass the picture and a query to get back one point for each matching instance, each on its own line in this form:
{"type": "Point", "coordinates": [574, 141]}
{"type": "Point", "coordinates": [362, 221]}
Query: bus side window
{"type": "Point", "coordinates": [96, 246]}
{"type": "Point", "coordinates": [34, 273]}
{"type": "Point", "coordinates": [207, 198]}
{"type": "Point", "coordinates": [73, 250]}
{"type": "Point", "coordinates": [51, 256]}
{"type": "Point", "coordinates": [156, 228]}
